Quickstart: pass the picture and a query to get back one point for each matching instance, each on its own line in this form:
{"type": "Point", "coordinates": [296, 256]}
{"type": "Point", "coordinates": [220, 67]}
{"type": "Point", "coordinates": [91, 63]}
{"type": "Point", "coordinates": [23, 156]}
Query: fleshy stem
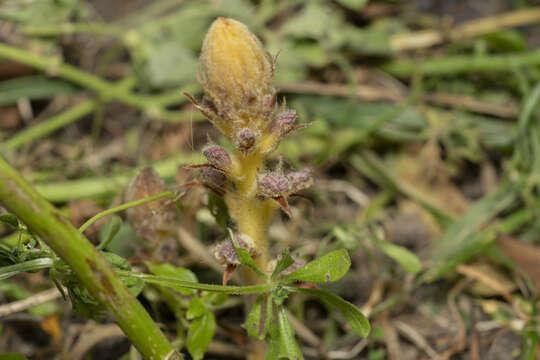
{"type": "Point", "coordinates": [20, 198]}
{"type": "Point", "coordinates": [253, 216]}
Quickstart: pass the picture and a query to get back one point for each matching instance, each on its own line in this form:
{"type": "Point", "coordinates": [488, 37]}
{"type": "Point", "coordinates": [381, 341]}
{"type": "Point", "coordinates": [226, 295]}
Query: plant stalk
{"type": "Point", "coordinates": [94, 272]}
{"type": "Point", "coordinates": [253, 216]}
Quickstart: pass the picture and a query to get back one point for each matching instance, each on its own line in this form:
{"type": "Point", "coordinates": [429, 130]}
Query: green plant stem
{"type": "Point", "coordinates": [30, 265]}
{"type": "Point", "coordinates": [108, 91]}
{"type": "Point", "coordinates": [74, 28]}
{"type": "Point", "coordinates": [93, 271]}
{"type": "Point", "coordinates": [462, 64]}
{"type": "Point", "coordinates": [169, 281]}
{"type": "Point", "coordinates": [48, 126]}
{"type": "Point", "coordinates": [125, 206]}
{"type": "Point", "coordinates": [99, 187]}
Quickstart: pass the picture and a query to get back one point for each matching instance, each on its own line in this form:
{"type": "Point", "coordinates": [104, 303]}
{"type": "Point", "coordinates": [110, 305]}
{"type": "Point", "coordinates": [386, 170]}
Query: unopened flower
{"type": "Point", "coordinates": [273, 185]}
{"type": "Point", "coordinates": [225, 253]}
{"type": "Point", "coordinates": [217, 156]}
{"type": "Point", "coordinates": [284, 122]}
{"type": "Point", "coordinates": [236, 74]}
{"type": "Point", "coordinates": [300, 179]}
{"type": "Point", "coordinates": [214, 179]}
{"type": "Point", "coordinates": [244, 140]}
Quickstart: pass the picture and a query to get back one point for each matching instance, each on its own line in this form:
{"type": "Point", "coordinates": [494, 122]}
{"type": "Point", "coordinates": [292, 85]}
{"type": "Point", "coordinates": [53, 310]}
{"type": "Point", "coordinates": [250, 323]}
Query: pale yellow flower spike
{"type": "Point", "coordinates": [236, 75]}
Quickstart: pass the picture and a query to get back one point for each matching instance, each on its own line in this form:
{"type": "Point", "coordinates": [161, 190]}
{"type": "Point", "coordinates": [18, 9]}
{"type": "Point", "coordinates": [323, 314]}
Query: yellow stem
{"type": "Point", "coordinates": [253, 216]}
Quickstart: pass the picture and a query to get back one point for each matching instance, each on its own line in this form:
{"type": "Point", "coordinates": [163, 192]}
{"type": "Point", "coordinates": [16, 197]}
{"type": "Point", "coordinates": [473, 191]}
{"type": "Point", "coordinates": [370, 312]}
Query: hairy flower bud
{"type": "Point", "coordinates": [214, 179]}
{"type": "Point", "coordinates": [236, 74]}
{"type": "Point", "coordinates": [217, 156]}
{"type": "Point", "coordinates": [244, 140]}
{"type": "Point", "coordinates": [300, 179]}
{"type": "Point", "coordinates": [284, 122]}
{"type": "Point", "coordinates": [273, 185]}
{"type": "Point", "coordinates": [225, 252]}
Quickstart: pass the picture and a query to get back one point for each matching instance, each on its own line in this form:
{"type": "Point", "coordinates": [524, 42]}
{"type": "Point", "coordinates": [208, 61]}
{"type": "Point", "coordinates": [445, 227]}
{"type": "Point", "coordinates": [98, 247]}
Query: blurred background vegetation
{"type": "Point", "coordinates": [425, 144]}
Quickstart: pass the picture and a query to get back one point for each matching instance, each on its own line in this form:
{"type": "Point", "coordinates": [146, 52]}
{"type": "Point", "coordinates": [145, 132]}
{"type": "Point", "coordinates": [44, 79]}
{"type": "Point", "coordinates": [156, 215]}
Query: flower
{"type": "Point", "coordinates": [236, 75]}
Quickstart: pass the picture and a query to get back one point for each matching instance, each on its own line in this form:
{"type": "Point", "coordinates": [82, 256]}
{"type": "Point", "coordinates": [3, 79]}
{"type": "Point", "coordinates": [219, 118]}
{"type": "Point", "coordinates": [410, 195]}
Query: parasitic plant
{"type": "Point", "coordinates": [236, 74]}
{"type": "Point", "coordinates": [241, 102]}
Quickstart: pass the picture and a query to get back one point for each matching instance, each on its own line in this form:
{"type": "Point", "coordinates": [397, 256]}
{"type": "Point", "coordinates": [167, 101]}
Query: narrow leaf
{"type": "Point", "coordinates": [288, 348]}
{"type": "Point", "coordinates": [259, 317]}
{"type": "Point", "coordinates": [354, 317]}
{"type": "Point", "coordinates": [462, 239]}
{"type": "Point", "coordinates": [272, 350]}
{"type": "Point", "coordinates": [10, 219]}
{"type": "Point", "coordinates": [244, 257]}
{"type": "Point", "coordinates": [284, 262]}
{"type": "Point", "coordinates": [174, 283]}
{"type": "Point", "coordinates": [407, 259]}
{"type": "Point", "coordinates": [329, 267]}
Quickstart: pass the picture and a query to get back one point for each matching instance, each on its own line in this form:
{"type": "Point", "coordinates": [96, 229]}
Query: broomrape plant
{"type": "Point", "coordinates": [241, 102]}
{"type": "Point", "coordinates": [236, 74]}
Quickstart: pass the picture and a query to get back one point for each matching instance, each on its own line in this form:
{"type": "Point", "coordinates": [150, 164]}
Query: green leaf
{"type": "Point", "coordinates": [288, 348]}
{"type": "Point", "coordinates": [272, 351]}
{"type": "Point", "coordinates": [461, 240]}
{"type": "Point", "coordinates": [283, 263]}
{"type": "Point", "coordinates": [200, 334]}
{"type": "Point", "coordinates": [134, 285]}
{"type": "Point", "coordinates": [244, 257]}
{"type": "Point", "coordinates": [354, 317]}
{"type": "Point", "coordinates": [259, 317]}
{"type": "Point", "coordinates": [407, 259]}
{"type": "Point", "coordinates": [327, 268]}
{"type": "Point", "coordinates": [116, 261]}
{"type": "Point", "coordinates": [111, 229]}
{"type": "Point", "coordinates": [33, 87]}
{"type": "Point", "coordinates": [10, 219]}
{"type": "Point", "coordinates": [178, 273]}
{"type": "Point", "coordinates": [196, 308]}
{"type": "Point", "coordinates": [31, 265]}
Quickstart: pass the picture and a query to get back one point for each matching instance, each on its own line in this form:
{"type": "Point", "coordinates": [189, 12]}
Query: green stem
{"type": "Point", "coordinates": [92, 269]}
{"type": "Point", "coordinates": [74, 28]}
{"type": "Point", "coordinates": [108, 91]}
{"type": "Point", "coordinates": [99, 187]}
{"type": "Point", "coordinates": [125, 206]}
{"type": "Point", "coordinates": [462, 64]}
{"type": "Point", "coordinates": [48, 126]}
{"type": "Point", "coordinates": [30, 265]}
{"type": "Point", "coordinates": [169, 281]}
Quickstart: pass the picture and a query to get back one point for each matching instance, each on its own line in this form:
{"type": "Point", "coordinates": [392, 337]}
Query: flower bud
{"type": "Point", "coordinates": [300, 179]}
{"type": "Point", "coordinates": [273, 185]}
{"type": "Point", "coordinates": [284, 122]}
{"type": "Point", "coordinates": [225, 252]}
{"type": "Point", "coordinates": [214, 179]}
{"type": "Point", "coordinates": [217, 156]}
{"type": "Point", "coordinates": [244, 140]}
{"type": "Point", "coordinates": [235, 73]}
